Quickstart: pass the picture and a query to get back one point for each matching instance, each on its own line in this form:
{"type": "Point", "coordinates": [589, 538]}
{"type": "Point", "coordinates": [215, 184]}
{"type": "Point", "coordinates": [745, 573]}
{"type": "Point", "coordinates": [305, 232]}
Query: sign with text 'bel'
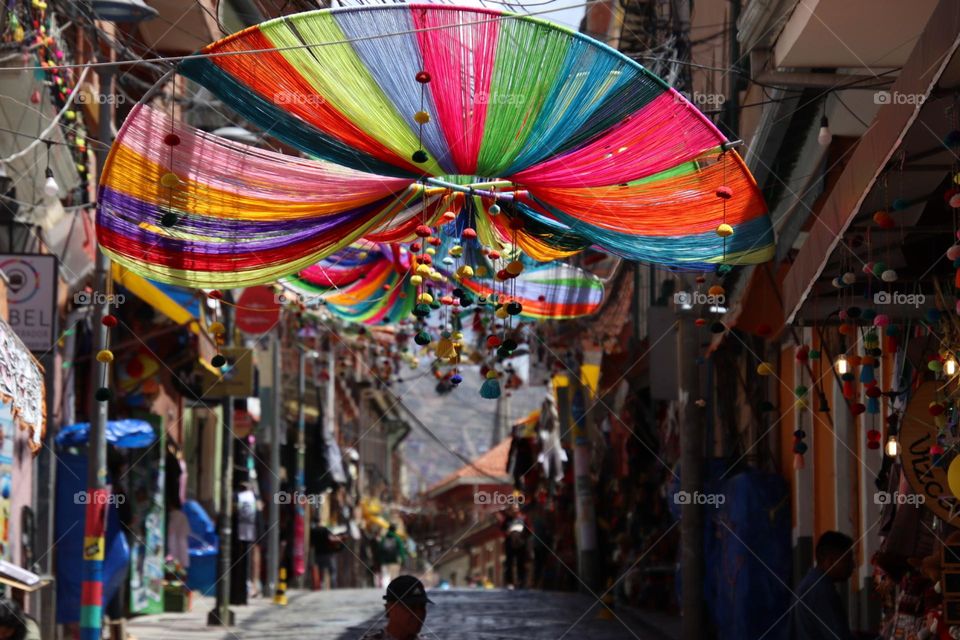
{"type": "Point", "coordinates": [32, 298]}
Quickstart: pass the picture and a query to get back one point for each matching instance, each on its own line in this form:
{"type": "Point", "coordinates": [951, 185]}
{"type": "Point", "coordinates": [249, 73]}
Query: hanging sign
{"type": "Point", "coordinates": [928, 480]}
{"type": "Point", "coordinates": [32, 298]}
{"type": "Point", "coordinates": [258, 310]}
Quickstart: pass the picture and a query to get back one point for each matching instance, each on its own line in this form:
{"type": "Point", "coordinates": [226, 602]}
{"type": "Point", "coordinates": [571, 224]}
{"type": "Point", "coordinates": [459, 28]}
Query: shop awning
{"type": "Point", "coordinates": [155, 297]}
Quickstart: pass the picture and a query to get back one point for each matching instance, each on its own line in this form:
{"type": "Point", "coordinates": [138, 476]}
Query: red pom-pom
{"type": "Point", "coordinates": [469, 234]}
{"type": "Point", "coordinates": [216, 295]}
{"type": "Point", "coordinates": [423, 77]}
{"type": "Point", "coordinates": [873, 391]}
{"type": "Point", "coordinates": [699, 322]}
{"type": "Point", "coordinates": [415, 247]}
{"type": "Point", "coordinates": [857, 408]}
{"type": "Point", "coordinates": [724, 192]}
{"type": "Point", "coordinates": [109, 321]}
{"type": "Point", "coordinates": [503, 274]}
{"type": "Point", "coordinates": [701, 279]}
{"type": "Point", "coordinates": [171, 139]}
{"type": "Point", "coordinates": [423, 231]}
{"type": "Point", "coordinates": [493, 255]}
{"type": "Point", "coordinates": [434, 240]}
{"type": "Point", "coordinates": [494, 341]}
{"type": "Point", "coordinates": [425, 259]}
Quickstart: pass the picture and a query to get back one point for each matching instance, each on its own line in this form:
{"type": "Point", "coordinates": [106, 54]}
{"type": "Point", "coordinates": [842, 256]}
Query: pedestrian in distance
{"type": "Point", "coordinates": [392, 554]}
{"type": "Point", "coordinates": [516, 534]}
{"type": "Point", "coordinates": [406, 610]}
{"type": "Point", "coordinates": [818, 611]}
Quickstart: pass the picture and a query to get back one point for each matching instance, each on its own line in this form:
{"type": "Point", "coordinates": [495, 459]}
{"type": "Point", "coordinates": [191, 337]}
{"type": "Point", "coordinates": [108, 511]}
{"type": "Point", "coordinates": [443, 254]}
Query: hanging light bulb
{"type": "Point", "coordinates": [950, 366]}
{"type": "Point", "coordinates": [841, 365]}
{"type": "Point", "coordinates": [50, 187]}
{"type": "Point", "coordinates": [824, 137]}
{"type": "Point", "coordinates": [893, 446]}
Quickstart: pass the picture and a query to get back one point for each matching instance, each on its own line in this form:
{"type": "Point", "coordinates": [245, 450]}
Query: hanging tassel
{"type": "Point", "coordinates": [798, 462]}
{"type": "Point", "coordinates": [445, 348]}
{"type": "Point", "coordinates": [866, 374]}
{"type": "Point", "coordinates": [873, 405]}
{"type": "Point", "coordinates": [490, 389]}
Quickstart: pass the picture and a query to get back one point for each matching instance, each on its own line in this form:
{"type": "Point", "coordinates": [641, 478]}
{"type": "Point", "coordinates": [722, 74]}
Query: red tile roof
{"type": "Point", "coordinates": [492, 463]}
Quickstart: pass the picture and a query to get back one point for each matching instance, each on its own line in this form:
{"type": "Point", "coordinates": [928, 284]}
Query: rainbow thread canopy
{"type": "Point", "coordinates": [533, 135]}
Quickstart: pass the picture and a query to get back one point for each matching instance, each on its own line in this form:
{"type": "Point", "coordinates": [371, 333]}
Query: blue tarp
{"type": "Point", "coordinates": [124, 434]}
{"type": "Point", "coordinates": [71, 512]}
{"type": "Point", "coordinates": [747, 551]}
{"type": "Point", "coordinates": [186, 298]}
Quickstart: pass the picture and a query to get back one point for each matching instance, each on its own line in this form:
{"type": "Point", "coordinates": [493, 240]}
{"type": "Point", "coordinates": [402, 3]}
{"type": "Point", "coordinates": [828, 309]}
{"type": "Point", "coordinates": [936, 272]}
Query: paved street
{"type": "Point", "coordinates": [347, 614]}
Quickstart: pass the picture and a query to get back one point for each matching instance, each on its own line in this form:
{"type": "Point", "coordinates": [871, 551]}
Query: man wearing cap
{"type": "Point", "coordinates": [406, 604]}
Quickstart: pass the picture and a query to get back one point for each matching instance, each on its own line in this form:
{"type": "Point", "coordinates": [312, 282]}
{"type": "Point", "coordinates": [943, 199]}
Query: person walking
{"type": "Point", "coordinates": [392, 554]}
{"type": "Point", "coordinates": [406, 610]}
{"type": "Point", "coordinates": [515, 549]}
{"type": "Point", "coordinates": [817, 610]}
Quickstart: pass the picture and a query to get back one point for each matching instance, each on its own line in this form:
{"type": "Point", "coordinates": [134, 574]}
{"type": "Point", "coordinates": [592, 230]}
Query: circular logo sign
{"type": "Point", "coordinates": [24, 280]}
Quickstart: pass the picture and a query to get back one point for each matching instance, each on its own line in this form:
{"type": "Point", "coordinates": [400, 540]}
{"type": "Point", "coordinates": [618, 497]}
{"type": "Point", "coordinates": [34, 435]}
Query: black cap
{"type": "Point", "coordinates": [408, 590]}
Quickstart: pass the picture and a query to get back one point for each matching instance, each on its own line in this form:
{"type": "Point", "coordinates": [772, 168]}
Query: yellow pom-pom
{"type": "Point", "coordinates": [105, 355]}
{"type": "Point", "coordinates": [458, 335]}
{"type": "Point", "coordinates": [431, 251]}
{"type": "Point", "coordinates": [481, 271]}
{"type": "Point", "coordinates": [466, 271]}
{"type": "Point", "coordinates": [501, 313]}
{"type": "Point", "coordinates": [425, 298]}
{"type": "Point", "coordinates": [217, 328]}
{"type": "Point", "coordinates": [436, 276]}
{"type": "Point", "coordinates": [423, 270]}
{"type": "Point", "coordinates": [363, 255]}
{"type": "Point", "coordinates": [421, 117]}
{"type": "Point", "coordinates": [456, 251]}
{"type": "Point", "coordinates": [169, 180]}
{"type": "Point", "coordinates": [416, 280]}
{"type": "Point", "coordinates": [724, 230]}
{"type": "Point", "coordinates": [515, 267]}
{"type": "Point", "coordinates": [491, 375]}
{"type": "Point", "coordinates": [765, 369]}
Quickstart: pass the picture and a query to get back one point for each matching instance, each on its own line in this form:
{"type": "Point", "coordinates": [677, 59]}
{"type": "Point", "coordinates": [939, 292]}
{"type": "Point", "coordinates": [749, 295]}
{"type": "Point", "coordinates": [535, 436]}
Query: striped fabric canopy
{"type": "Point", "coordinates": [404, 111]}
{"type": "Point", "coordinates": [368, 284]}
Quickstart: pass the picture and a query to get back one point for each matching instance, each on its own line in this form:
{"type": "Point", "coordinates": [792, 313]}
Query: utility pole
{"type": "Point", "coordinates": [571, 407]}
{"type": "Point", "coordinates": [273, 507]}
{"type": "Point", "coordinates": [95, 522]}
{"type": "Point", "coordinates": [691, 481]}
{"type": "Point", "coordinates": [299, 524]}
{"type": "Point", "coordinates": [222, 615]}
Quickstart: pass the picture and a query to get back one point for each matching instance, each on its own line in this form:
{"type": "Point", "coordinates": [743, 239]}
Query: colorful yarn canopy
{"type": "Point", "coordinates": [579, 145]}
{"type": "Point", "coordinates": [370, 284]}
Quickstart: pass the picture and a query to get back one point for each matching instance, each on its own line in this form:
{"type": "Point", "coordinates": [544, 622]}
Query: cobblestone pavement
{"type": "Point", "coordinates": [346, 614]}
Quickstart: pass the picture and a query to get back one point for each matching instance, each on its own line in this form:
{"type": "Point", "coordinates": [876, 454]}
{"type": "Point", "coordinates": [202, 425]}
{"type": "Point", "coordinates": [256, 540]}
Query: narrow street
{"type": "Point", "coordinates": [347, 614]}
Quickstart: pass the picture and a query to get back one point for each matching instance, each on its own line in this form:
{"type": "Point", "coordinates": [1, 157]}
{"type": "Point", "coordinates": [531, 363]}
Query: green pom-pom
{"type": "Point", "coordinates": [103, 394]}
{"type": "Point", "coordinates": [514, 308]}
{"type": "Point", "coordinates": [800, 391]}
{"type": "Point", "coordinates": [724, 269]}
{"type": "Point", "coordinates": [420, 156]}
{"type": "Point", "coordinates": [218, 361]}
{"type": "Point", "coordinates": [169, 219]}
{"type": "Point", "coordinates": [423, 338]}
{"type": "Point", "coordinates": [814, 354]}
{"type": "Point", "coordinates": [421, 310]}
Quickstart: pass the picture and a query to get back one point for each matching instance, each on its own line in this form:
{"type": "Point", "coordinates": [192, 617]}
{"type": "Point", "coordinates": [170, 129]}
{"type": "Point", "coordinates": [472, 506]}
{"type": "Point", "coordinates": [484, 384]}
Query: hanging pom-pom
{"type": "Point", "coordinates": [104, 356]}
{"type": "Point", "coordinates": [724, 230]}
{"type": "Point", "coordinates": [456, 379]}
{"type": "Point", "coordinates": [420, 156]}
{"type": "Point", "coordinates": [469, 234]}
{"type": "Point", "coordinates": [490, 389]}
{"type": "Point", "coordinates": [109, 321]}
{"type": "Point", "coordinates": [422, 338]}
{"type": "Point", "coordinates": [724, 192]}
{"type": "Point", "coordinates": [445, 348]}
{"type": "Point", "coordinates": [873, 406]}
{"type": "Point", "coordinates": [423, 231]}
{"type": "Point", "coordinates": [422, 77]}
{"type": "Point", "coordinates": [218, 361]}
{"type": "Point", "coordinates": [866, 374]}
{"type": "Point", "coordinates": [848, 390]}
{"type": "Point", "coordinates": [171, 139]}
{"type": "Point", "coordinates": [103, 394]}
{"type": "Point", "coordinates": [494, 209]}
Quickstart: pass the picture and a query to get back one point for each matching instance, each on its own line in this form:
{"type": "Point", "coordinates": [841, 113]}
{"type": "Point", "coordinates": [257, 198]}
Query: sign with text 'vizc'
{"type": "Point", "coordinates": [928, 480]}
{"type": "Point", "coordinates": [32, 298]}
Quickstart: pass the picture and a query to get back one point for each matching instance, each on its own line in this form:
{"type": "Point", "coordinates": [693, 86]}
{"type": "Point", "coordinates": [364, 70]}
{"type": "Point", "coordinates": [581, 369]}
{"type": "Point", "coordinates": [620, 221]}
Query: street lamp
{"type": "Point", "coordinates": [842, 365]}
